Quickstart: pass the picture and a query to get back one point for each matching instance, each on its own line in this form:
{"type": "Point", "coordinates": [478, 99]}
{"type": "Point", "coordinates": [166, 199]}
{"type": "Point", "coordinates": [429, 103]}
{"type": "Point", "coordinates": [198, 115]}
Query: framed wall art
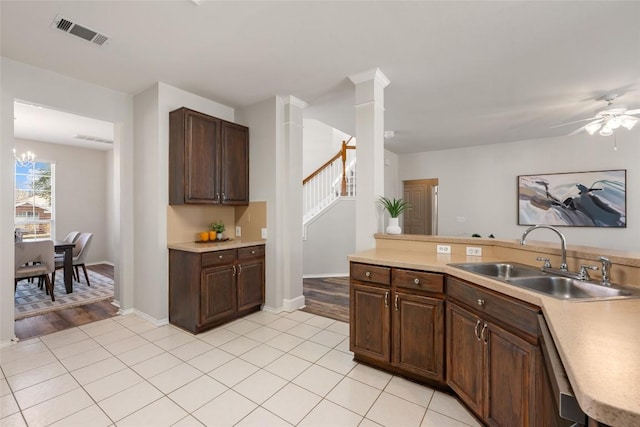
{"type": "Point", "coordinates": [574, 199]}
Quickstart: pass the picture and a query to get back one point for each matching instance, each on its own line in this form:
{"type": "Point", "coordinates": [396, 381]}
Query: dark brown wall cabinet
{"type": "Point", "coordinates": [397, 320]}
{"type": "Point", "coordinates": [207, 289]}
{"type": "Point", "coordinates": [208, 160]}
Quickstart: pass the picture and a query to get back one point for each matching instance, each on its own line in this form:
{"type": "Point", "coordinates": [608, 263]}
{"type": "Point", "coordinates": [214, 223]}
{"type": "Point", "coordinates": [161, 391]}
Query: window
{"type": "Point", "coordinates": [34, 199]}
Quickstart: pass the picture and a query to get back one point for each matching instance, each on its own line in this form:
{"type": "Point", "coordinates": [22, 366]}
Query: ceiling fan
{"type": "Point", "coordinates": [607, 119]}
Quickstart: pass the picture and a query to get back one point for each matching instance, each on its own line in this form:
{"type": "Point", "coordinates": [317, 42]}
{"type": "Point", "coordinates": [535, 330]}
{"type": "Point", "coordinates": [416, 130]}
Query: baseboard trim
{"type": "Point", "coordinates": [288, 305]}
{"type": "Point", "coordinates": [145, 316]}
{"type": "Point", "coordinates": [324, 276]}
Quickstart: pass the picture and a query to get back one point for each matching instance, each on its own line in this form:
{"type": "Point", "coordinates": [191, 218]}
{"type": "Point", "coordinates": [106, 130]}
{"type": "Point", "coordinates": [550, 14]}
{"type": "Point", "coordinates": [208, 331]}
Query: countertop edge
{"type": "Point", "coordinates": [214, 246]}
{"type": "Point", "coordinates": [592, 404]}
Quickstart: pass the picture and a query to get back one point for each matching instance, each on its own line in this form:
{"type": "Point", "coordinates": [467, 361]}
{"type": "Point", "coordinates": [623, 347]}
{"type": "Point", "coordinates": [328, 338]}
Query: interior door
{"type": "Point", "coordinates": [422, 195]}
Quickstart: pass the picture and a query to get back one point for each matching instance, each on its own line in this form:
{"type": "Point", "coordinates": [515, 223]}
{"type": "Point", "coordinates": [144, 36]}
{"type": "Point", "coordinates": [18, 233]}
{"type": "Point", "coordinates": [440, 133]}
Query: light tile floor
{"type": "Point", "coordinates": [263, 370]}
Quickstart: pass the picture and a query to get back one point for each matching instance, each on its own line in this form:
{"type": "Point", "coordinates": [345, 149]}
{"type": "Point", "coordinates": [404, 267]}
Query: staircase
{"type": "Point", "coordinates": [335, 179]}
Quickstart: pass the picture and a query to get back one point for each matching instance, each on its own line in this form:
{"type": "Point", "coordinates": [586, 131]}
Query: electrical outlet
{"type": "Point", "coordinates": [443, 249]}
{"type": "Point", "coordinates": [263, 233]}
{"type": "Point", "coordinates": [473, 251]}
{"type": "Point", "coordinates": [238, 231]}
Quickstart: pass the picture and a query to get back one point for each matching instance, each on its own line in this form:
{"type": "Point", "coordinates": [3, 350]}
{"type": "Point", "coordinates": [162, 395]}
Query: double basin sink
{"type": "Point", "coordinates": [560, 287]}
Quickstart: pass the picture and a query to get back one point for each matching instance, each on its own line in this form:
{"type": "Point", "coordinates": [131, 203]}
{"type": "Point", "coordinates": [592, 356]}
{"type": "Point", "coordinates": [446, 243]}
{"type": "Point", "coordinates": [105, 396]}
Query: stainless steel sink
{"type": "Point", "coordinates": [566, 288]}
{"type": "Point", "coordinates": [527, 277]}
{"type": "Point", "coordinates": [501, 270]}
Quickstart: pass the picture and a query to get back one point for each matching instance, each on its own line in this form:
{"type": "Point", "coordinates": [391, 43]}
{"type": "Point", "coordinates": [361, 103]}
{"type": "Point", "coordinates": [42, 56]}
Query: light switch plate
{"type": "Point", "coordinates": [263, 233]}
{"type": "Point", "coordinates": [238, 231]}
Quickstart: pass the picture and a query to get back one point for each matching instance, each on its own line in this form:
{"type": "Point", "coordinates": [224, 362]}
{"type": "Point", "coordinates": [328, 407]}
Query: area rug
{"type": "Point", "coordinates": [31, 301]}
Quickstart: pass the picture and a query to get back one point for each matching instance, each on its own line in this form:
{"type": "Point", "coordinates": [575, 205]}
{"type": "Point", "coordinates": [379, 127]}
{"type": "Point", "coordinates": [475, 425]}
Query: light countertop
{"type": "Point", "coordinates": [598, 341]}
{"type": "Point", "coordinates": [214, 245]}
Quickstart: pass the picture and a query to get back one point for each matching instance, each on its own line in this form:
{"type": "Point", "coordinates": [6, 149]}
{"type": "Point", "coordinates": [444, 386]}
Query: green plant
{"type": "Point", "coordinates": [394, 206]}
{"type": "Point", "coordinates": [218, 226]}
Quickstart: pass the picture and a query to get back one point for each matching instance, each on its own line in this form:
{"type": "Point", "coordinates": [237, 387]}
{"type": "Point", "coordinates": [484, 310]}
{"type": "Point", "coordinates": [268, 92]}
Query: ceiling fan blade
{"type": "Point", "coordinates": [570, 123]}
{"type": "Point", "coordinates": [583, 128]}
{"type": "Point", "coordinates": [632, 112]}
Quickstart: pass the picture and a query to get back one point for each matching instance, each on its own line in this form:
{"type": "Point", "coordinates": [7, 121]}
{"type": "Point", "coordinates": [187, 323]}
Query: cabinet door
{"type": "Point", "coordinates": [217, 293]}
{"type": "Point", "coordinates": [510, 386]}
{"type": "Point", "coordinates": [370, 321]}
{"type": "Point", "coordinates": [250, 283]}
{"type": "Point", "coordinates": [234, 164]}
{"type": "Point", "coordinates": [202, 135]}
{"type": "Point", "coordinates": [465, 355]}
{"type": "Point", "coordinates": [418, 335]}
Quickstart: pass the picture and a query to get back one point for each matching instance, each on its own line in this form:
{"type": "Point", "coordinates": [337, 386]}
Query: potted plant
{"type": "Point", "coordinates": [395, 207]}
{"type": "Point", "coordinates": [218, 227]}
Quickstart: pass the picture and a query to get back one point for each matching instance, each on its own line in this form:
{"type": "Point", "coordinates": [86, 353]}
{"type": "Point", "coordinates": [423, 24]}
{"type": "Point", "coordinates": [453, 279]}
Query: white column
{"type": "Point", "coordinates": [290, 204]}
{"type": "Point", "coordinates": [369, 104]}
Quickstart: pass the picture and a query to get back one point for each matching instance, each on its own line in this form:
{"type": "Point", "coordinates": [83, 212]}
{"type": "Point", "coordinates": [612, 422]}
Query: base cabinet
{"type": "Point", "coordinates": [493, 359]}
{"type": "Point", "coordinates": [397, 320]}
{"type": "Point", "coordinates": [211, 288]}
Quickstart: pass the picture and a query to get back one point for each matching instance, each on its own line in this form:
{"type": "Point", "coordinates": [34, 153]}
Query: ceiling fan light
{"type": "Point", "coordinates": [614, 122]}
{"type": "Point", "coordinates": [606, 130]}
{"type": "Point", "coordinates": [592, 128]}
{"type": "Point", "coordinates": [629, 122]}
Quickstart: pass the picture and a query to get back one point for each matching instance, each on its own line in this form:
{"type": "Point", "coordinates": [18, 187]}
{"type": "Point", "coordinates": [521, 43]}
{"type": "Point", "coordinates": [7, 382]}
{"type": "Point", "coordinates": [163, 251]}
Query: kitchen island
{"type": "Point", "coordinates": [597, 341]}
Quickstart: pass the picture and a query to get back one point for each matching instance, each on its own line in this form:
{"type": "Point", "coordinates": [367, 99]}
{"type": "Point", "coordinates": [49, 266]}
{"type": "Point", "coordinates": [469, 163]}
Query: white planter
{"type": "Point", "coordinates": [393, 227]}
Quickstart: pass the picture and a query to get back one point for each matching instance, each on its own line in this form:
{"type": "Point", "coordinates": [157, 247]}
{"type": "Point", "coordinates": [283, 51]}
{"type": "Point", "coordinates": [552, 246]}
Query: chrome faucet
{"type": "Point", "coordinates": [606, 268]}
{"type": "Point", "coordinates": [563, 241]}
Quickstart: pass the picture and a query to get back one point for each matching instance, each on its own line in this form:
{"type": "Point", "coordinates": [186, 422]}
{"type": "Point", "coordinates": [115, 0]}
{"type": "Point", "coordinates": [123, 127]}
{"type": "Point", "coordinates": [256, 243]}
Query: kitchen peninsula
{"type": "Point", "coordinates": [597, 341]}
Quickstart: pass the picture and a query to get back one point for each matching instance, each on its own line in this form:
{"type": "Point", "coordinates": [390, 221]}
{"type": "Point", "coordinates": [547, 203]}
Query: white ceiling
{"type": "Point", "coordinates": [38, 123]}
{"type": "Point", "coordinates": [462, 73]}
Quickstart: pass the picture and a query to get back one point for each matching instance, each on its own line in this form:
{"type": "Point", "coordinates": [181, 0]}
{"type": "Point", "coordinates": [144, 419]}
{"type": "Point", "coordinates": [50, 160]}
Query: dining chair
{"type": "Point", "coordinates": [35, 259]}
{"type": "Point", "coordinates": [71, 238]}
{"type": "Point", "coordinates": [79, 256]}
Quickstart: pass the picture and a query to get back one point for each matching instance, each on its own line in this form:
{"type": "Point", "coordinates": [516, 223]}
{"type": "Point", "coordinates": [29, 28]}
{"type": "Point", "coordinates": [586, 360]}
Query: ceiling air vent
{"type": "Point", "coordinates": [93, 138]}
{"type": "Point", "coordinates": [70, 27]}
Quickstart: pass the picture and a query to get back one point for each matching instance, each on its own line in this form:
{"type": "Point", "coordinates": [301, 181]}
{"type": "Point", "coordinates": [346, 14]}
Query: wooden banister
{"type": "Point", "coordinates": [342, 153]}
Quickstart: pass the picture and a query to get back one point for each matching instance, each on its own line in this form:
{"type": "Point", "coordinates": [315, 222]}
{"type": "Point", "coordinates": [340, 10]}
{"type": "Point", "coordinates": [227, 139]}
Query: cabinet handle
{"type": "Point", "coordinates": [239, 269]}
{"type": "Point", "coordinates": [217, 199]}
{"type": "Point", "coordinates": [367, 273]}
{"type": "Point", "coordinates": [253, 252]}
{"type": "Point", "coordinates": [476, 329]}
{"type": "Point", "coordinates": [480, 302]}
{"type": "Point", "coordinates": [386, 299]}
{"type": "Point", "coordinates": [416, 281]}
{"type": "Point", "coordinates": [224, 198]}
{"type": "Point", "coordinates": [219, 256]}
{"type": "Point", "coordinates": [234, 270]}
{"type": "Point", "coordinates": [396, 302]}
{"type": "Point", "coordinates": [483, 338]}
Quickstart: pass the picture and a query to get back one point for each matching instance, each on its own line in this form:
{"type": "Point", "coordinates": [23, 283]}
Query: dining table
{"type": "Point", "coordinates": [60, 246]}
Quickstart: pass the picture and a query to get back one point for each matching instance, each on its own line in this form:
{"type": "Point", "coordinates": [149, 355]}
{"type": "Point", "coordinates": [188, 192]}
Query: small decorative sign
{"type": "Point", "coordinates": [575, 199]}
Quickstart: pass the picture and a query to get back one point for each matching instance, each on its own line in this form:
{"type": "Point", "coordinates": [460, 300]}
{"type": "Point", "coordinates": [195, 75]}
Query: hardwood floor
{"type": "Point", "coordinates": [55, 321]}
{"type": "Point", "coordinates": [327, 297]}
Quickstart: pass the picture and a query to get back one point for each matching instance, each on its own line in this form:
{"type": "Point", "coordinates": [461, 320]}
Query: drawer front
{"type": "Point", "coordinates": [517, 314]}
{"type": "Point", "coordinates": [219, 257]}
{"type": "Point", "coordinates": [251, 252]}
{"type": "Point", "coordinates": [371, 273]}
{"type": "Point", "coordinates": [418, 280]}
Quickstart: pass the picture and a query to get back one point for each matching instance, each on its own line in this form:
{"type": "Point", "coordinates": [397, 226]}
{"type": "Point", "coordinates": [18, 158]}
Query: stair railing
{"type": "Point", "coordinates": [333, 179]}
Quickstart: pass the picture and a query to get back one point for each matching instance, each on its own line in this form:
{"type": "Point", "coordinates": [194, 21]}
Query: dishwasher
{"type": "Point", "coordinates": [563, 394]}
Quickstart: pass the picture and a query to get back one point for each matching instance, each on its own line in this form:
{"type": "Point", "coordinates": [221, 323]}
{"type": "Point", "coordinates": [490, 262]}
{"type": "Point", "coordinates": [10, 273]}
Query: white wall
{"type": "Point", "coordinates": [318, 145]}
{"type": "Point", "coordinates": [39, 86]}
{"type": "Point", "coordinates": [479, 184]}
{"type": "Point", "coordinates": [81, 192]}
{"type": "Point", "coordinates": [330, 238]}
{"type": "Point", "coordinates": [263, 121]}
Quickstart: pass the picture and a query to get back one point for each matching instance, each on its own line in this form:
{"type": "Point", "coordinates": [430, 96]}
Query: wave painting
{"type": "Point", "coordinates": [579, 199]}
